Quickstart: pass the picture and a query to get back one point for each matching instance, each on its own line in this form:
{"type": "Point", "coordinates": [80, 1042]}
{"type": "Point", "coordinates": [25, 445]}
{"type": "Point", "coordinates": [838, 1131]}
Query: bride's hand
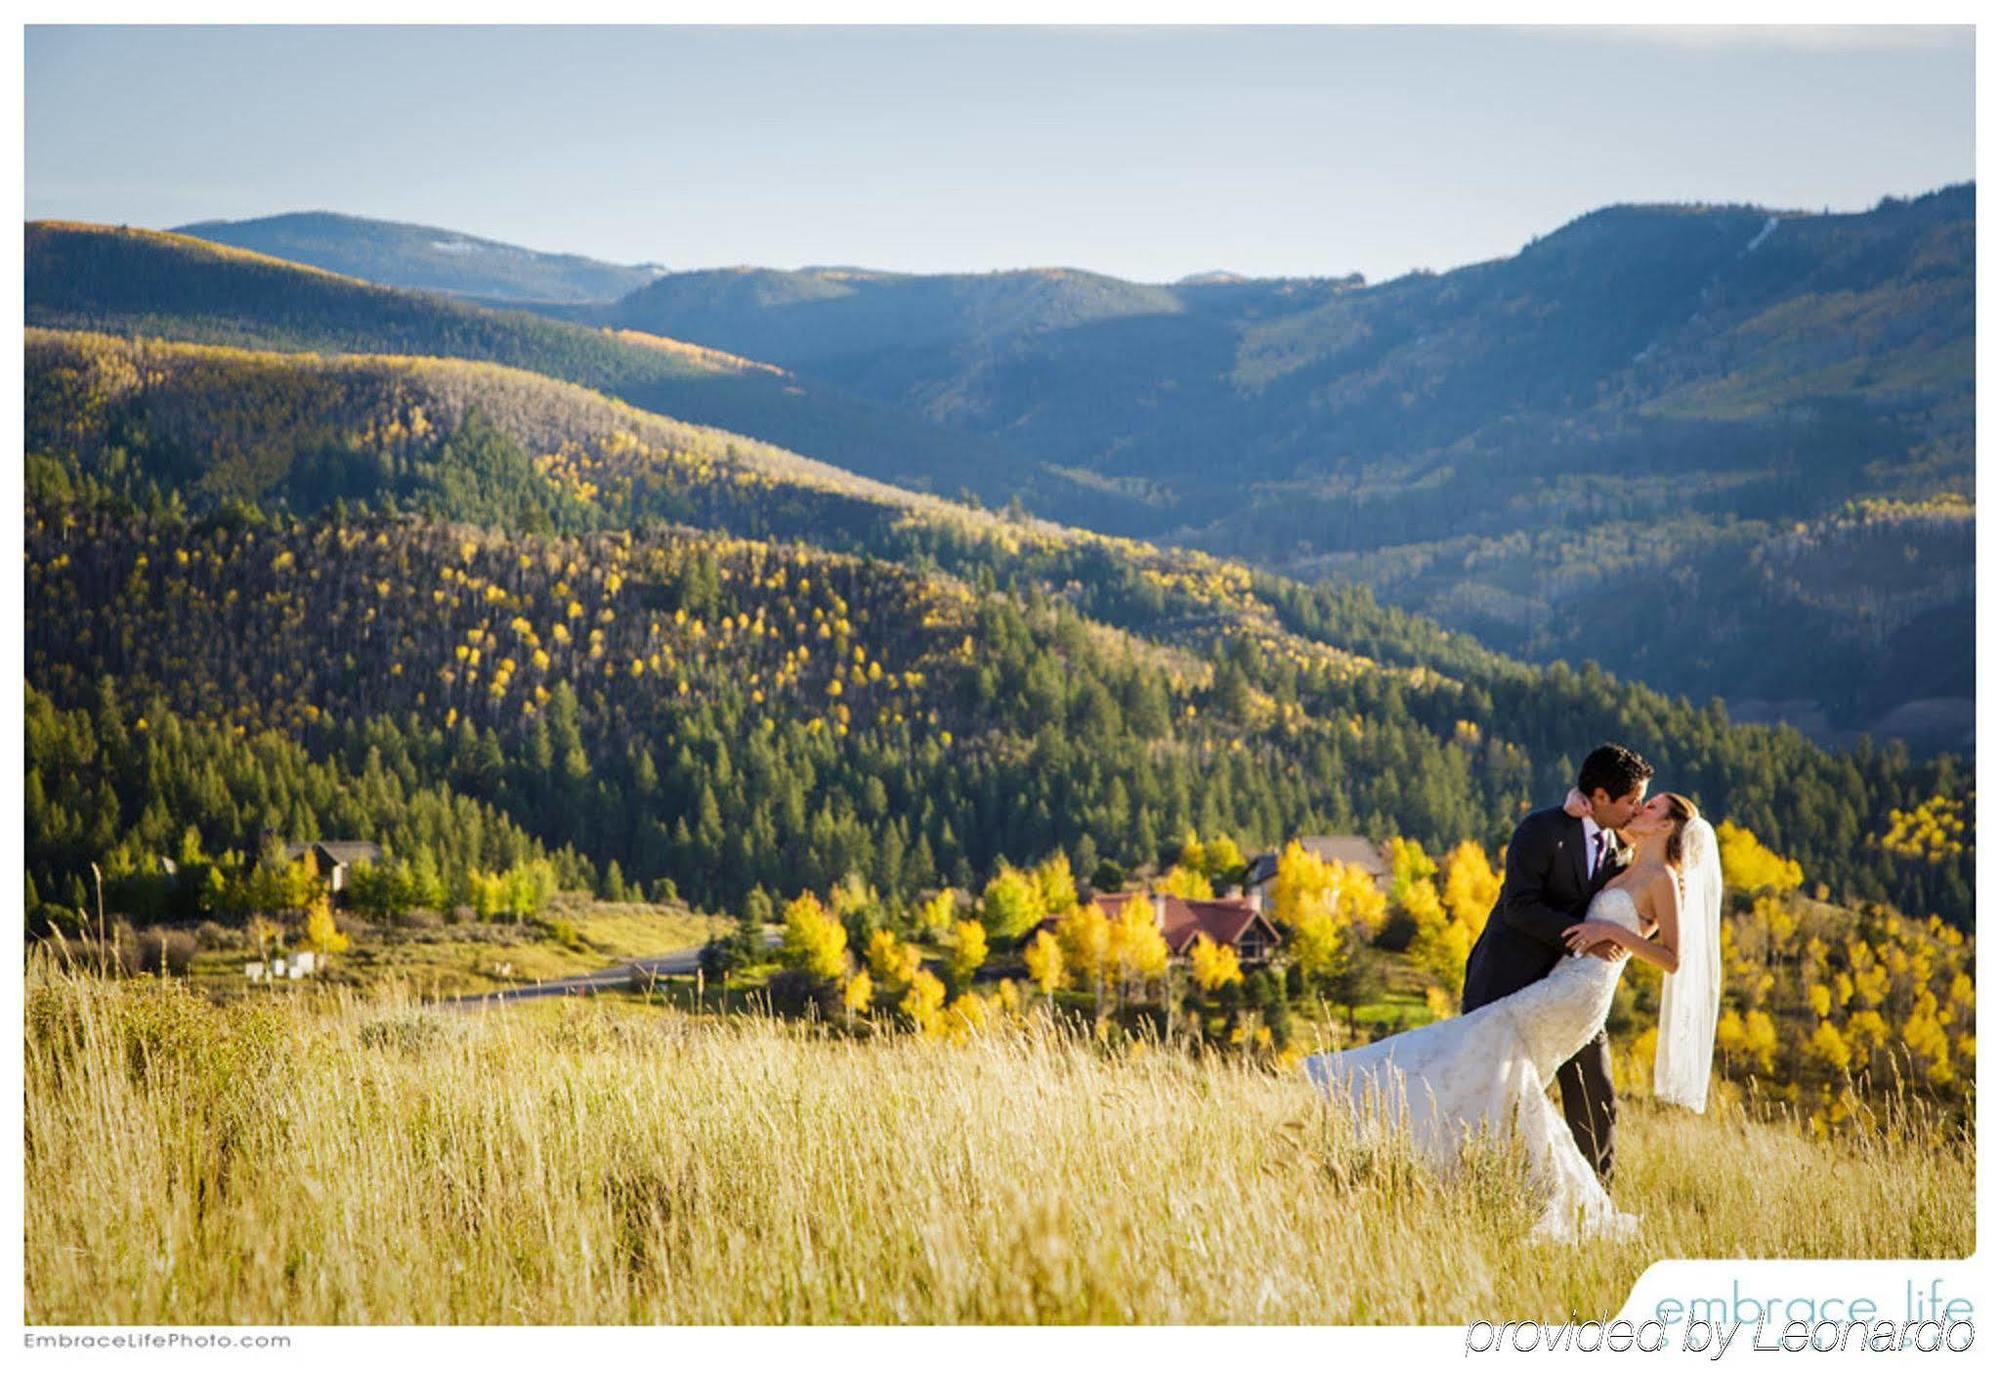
{"type": "Point", "coordinates": [1576, 804]}
{"type": "Point", "coordinates": [1586, 937]}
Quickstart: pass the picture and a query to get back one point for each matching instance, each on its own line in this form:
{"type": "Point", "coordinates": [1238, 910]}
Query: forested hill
{"type": "Point", "coordinates": [579, 628]}
{"type": "Point", "coordinates": [1650, 396]}
{"type": "Point", "coordinates": [423, 258]}
{"type": "Point", "coordinates": [129, 281]}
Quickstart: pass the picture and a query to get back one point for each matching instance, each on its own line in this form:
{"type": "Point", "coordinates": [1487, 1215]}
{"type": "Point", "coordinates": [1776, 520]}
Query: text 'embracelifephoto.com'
{"type": "Point", "coordinates": [1126, 675]}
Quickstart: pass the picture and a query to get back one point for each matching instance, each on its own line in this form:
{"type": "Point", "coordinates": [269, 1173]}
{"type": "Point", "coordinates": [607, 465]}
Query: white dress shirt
{"type": "Point", "coordinates": [1591, 830]}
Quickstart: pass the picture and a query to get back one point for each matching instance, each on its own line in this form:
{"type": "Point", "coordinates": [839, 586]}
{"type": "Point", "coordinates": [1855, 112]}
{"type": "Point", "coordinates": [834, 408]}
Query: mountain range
{"type": "Point", "coordinates": [1724, 449]}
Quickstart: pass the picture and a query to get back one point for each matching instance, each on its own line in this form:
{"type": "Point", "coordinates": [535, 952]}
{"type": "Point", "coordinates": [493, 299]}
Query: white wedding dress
{"type": "Point", "coordinates": [1490, 1069]}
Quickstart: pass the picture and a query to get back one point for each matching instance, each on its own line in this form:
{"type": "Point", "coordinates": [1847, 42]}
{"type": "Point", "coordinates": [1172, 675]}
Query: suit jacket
{"type": "Point", "coordinates": [1547, 889]}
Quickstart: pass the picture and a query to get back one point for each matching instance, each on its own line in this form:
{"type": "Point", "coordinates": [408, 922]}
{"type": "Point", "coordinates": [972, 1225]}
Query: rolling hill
{"type": "Point", "coordinates": [694, 655]}
{"type": "Point", "coordinates": [172, 286]}
{"type": "Point", "coordinates": [1683, 408]}
{"type": "Point", "coordinates": [423, 258]}
{"type": "Point", "coordinates": [1649, 396]}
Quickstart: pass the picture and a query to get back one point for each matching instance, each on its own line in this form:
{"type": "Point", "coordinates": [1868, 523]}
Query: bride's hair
{"type": "Point", "coordinates": [1682, 811]}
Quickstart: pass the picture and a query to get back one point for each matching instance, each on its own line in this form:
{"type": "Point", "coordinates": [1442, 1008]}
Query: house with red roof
{"type": "Point", "coordinates": [1232, 922]}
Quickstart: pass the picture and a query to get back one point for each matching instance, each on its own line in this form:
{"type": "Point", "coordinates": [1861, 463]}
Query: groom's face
{"type": "Point", "coordinates": [1615, 813]}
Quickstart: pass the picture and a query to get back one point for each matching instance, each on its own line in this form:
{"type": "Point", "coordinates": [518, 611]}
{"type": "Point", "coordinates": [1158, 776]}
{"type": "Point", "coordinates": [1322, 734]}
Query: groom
{"type": "Point", "coordinates": [1555, 864]}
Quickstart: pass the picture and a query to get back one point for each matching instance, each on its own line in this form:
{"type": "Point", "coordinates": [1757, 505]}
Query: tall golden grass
{"type": "Point", "coordinates": [377, 1162]}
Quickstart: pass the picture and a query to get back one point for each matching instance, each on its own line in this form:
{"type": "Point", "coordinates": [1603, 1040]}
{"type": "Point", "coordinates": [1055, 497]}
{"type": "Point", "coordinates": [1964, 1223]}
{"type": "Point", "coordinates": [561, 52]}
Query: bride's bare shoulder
{"type": "Point", "coordinates": [1646, 879]}
{"type": "Point", "coordinates": [1662, 887]}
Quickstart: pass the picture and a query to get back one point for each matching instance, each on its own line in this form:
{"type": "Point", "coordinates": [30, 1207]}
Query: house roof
{"type": "Point", "coordinates": [1225, 920]}
{"type": "Point", "coordinates": [340, 851]}
{"type": "Point", "coordinates": [1363, 853]}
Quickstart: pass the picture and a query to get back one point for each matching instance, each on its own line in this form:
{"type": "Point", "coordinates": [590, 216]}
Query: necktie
{"type": "Point", "coordinates": [1597, 860]}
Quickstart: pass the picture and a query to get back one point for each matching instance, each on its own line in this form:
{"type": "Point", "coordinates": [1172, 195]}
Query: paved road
{"type": "Point", "coordinates": [618, 976]}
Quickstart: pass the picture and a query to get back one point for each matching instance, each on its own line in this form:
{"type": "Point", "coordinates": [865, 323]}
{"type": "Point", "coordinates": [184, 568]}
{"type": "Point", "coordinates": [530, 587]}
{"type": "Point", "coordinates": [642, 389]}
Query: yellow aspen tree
{"type": "Point", "coordinates": [1010, 905]}
{"type": "Point", "coordinates": [1045, 962]}
{"type": "Point", "coordinates": [1471, 886]}
{"type": "Point", "coordinates": [1318, 946]}
{"type": "Point", "coordinates": [1303, 882]}
{"type": "Point", "coordinates": [935, 916]}
{"type": "Point", "coordinates": [1432, 947]}
{"type": "Point", "coordinates": [1761, 1040]}
{"type": "Point", "coordinates": [814, 941]}
{"type": "Point", "coordinates": [968, 952]}
{"type": "Point", "coordinates": [967, 1016]}
{"type": "Point", "coordinates": [891, 962]}
{"type": "Point", "coordinates": [1214, 966]}
{"type": "Point", "coordinates": [923, 1002]}
{"type": "Point", "coordinates": [1827, 1048]}
{"type": "Point", "coordinates": [859, 994]}
{"type": "Point", "coordinates": [1866, 1033]}
{"type": "Point", "coordinates": [1055, 884]}
{"type": "Point", "coordinates": [1747, 866]}
{"type": "Point", "coordinates": [1408, 865]}
{"type": "Point", "coordinates": [1085, 935]}
{"type": "Point", "coordinates": [1192, 855]}
{"type": "Point", "coordinates": [1359, 902]}
{"type": "Point", "coordinates": [1139, 950]}
{"type": "Point", "coordinates": [1182, 881]}
{"type": "Point", "coordinates": [1729, 1032]}
{"type": "Point", "coordinates": [322, 935]}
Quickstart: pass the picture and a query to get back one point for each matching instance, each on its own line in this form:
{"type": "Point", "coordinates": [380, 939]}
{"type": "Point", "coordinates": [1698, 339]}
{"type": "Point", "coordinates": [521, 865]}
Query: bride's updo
{"type": "Point", "coordinates": [1681, 811]}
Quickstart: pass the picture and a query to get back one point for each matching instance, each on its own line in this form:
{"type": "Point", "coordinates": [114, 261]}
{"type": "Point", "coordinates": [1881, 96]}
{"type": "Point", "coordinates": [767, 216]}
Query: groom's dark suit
{"type": "Point", "coordinates": [1547, 889]}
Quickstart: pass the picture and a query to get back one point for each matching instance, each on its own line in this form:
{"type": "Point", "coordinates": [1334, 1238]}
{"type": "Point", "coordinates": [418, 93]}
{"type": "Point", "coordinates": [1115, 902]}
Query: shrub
{"type": "Point", "coordinates": [156, 949]}
{"type": "Point", "coordinates": [795, 992]}
{"type": "Point", "coordinates": [413, 1033]}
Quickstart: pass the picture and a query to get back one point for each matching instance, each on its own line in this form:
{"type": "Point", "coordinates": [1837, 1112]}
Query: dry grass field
{"type": "Point", "coordinates": [370, 1161]}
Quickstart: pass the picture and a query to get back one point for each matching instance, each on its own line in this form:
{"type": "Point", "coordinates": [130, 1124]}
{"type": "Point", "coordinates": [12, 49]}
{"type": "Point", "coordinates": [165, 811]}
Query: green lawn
{"type": "Point", "coordinates": [452, 960]}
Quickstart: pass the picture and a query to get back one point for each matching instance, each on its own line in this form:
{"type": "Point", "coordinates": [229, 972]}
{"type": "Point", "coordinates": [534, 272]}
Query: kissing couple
{"type": "Point", "coordinates": [1606, 876]}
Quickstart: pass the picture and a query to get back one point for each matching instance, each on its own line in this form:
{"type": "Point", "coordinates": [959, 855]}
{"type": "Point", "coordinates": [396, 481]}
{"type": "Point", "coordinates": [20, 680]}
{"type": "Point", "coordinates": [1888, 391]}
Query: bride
{"type": "Point", "coordinates": [1490, 1069]}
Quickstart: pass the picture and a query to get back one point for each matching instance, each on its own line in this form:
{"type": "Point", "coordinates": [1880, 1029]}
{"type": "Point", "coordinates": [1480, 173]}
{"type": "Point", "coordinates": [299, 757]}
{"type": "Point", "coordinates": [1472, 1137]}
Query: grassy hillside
{"type": "Point", "coordinates": [124, 281]}
{"type": "Point", "coordinates": [574, 1164]}
{"type": "Point", "coordinates": [419, 257]}
{"type": "Point", "coordinates": [1641, 409]}
{"type": "Point", "coordinates": [1005, 688]}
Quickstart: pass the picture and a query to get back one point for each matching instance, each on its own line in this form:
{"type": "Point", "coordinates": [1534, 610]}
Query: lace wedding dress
{"type": "Point", "coordinates": [1490, 1069]}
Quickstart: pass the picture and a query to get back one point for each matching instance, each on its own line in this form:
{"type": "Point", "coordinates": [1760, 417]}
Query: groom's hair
{"type": "Point", "coordinates": [1614, 768]}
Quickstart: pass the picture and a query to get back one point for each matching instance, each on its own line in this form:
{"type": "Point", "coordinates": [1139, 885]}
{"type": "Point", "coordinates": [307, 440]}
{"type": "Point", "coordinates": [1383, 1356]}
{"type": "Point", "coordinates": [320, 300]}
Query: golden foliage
{"type": "Point", "coordinates": [321, 933]}
{"type": "Point", "coordinates": [968, 951]}
{"type": "Point", "coordinates": [814, 940]}
{"type": "Point", "coordinates": [859, 994]}
{"type": "Point", "coordinates": [1044, 957]}
{"type": "Point", "coordinates": [923, 1002]}
{"type": "Point", "coordinates": [1011, 904]}
{"type": "Point", "coordinates": [1930, 832]}
{"type": "Point", "coordinates": [1183, 881]}
{"type": "Point", "coordinates": [1747, 866]}
{"type": "Point", "coordinates": [1471, 886]}
{"type": "Point", "coordinates": [1214, 966]}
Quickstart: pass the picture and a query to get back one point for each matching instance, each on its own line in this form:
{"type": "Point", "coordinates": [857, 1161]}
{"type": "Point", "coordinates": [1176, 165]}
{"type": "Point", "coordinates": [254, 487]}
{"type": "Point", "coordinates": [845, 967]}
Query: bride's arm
{"type": "Point", "coordinates": [1662, 905]}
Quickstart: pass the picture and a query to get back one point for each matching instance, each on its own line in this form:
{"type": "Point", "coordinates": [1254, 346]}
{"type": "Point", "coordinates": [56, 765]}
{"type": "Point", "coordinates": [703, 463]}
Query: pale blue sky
{"type": "Point", "coordinates": [1148, 153]}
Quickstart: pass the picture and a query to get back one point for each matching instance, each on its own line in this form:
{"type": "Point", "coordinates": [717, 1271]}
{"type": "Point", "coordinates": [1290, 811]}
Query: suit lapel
{"type": "Point", "coordinates": [1579, 860]}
